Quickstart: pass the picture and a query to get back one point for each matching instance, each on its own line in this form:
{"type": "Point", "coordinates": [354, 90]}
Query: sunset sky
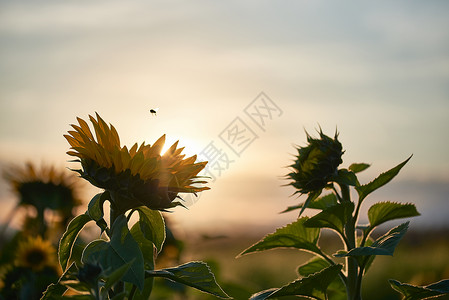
{"type": "Point", "coordinates": [377, 72]}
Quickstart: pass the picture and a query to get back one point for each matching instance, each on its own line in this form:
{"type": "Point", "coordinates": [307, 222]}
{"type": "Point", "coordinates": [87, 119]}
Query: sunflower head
{"type": "Point", "coordinates": [36, 254]}
{"type": "Point", "coordinates": [44, 187]}
{"type": "Point", "coordinates": [316, 164]}
{"type": "Point", "coordinates": [139, 176]}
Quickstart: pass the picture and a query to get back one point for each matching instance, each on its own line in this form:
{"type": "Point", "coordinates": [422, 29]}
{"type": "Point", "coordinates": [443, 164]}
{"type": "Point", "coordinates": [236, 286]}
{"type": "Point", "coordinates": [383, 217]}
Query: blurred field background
{"type": "Point", "coordinates": [421, 258]}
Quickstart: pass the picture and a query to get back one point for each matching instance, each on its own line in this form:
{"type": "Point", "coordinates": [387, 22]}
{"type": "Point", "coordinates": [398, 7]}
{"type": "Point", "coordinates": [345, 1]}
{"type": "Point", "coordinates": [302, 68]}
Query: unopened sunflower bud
{"type": "Point", "coordinates": [89, 273]}
{"type": "Point", "coordinates": [316, 164]}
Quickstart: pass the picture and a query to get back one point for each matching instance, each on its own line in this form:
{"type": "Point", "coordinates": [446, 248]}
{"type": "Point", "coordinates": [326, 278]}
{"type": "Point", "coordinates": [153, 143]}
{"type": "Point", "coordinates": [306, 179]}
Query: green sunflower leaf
{"type": "Point", "coordinates": [54, 291]}
{"type": "Point", "coordinates": [382, 212]}
{"type": "Point", "coordinates": [362, 259]}
{"type": "Point", "coordinates": [194, 274]}
{"type": "Point", "coordinates": [80, 287]}
{"type": "Point", "coordinates": [313, 266]}
{"type": "Point", "coordinates": [291, 208]}
{"type": "Point", "coordinates": [314, 286]}
{"type": "Point", "coordinates": [358, 167]}
{"type": "Point", "coordinates": [413, 292]}
{"type": "Point", "coordinates": [294, 235]}
{"type": "Point", "coordinates": [334, 217]}
{"type": "Point", "coordinates": [322, 203]}
{"type": "Point", "coordinates": [147, 249]}
{"type": "Point", "coordinates": [145, 245]}
{"type": "Point", "coordinates": [381, 180]}
{"type": "Point", "coordinates": [95, 210]}
{"type": "Point", "coordinates": [336, 289]}
{"type": "Point", "coordinates": [116, 275]}
{"type": "Point", "coordinates": [95, 252]}
{"type": "Point", "coordinates": [121, 250]}
{"type": "Point", "coordinates": [152, 225]}
{"type": "Point", "coordinates": [384, 245]}
{"type": "Point", "coordinates": [124, 250]}
{"type": "Point", "coordinates": [346, 177]}
{"type": "Point", "coordinates": [69, 237]}
{"type": "Point", "coordinates": [57, 290]}
{"type": "Point", "coordinates": [312, 196]}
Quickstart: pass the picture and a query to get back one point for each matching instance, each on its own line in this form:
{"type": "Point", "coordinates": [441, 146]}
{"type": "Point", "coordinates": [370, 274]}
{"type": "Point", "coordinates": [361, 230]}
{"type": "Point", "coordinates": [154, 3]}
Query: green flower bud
{"type": "Point", "coordinates": [316, 164]}
{"type": "Point", "coordinates": [89, 273]}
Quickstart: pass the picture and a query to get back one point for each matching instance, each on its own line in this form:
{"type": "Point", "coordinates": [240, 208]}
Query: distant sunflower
{"type": "Point", "coordinates": [44, 187]}
{"type": "Point", "coordinates": [36, 254]}
{"type": "Point", "coordinates": [140, 176]}
{"type": "Point", "coordinates": [4, 269]}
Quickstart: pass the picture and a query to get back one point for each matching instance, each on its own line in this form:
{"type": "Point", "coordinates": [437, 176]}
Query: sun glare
{"type": "Point", "coordinates": [191, 147]}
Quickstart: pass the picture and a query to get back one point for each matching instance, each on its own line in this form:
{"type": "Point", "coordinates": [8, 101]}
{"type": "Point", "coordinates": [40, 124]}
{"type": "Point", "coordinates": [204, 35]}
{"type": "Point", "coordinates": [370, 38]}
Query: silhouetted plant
{"type": "Point", "coordinates": [316, 169]}
{"type": "Point", "coordinates": [120, 264]}
{"type": "Point", "coordinates": [47, 199]}
{"type": "Point", "coordinates": [41, 190]}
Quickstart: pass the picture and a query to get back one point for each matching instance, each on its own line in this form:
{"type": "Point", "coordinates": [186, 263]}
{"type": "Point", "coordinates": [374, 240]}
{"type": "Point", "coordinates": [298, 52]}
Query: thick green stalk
{"type": "Point", "coordinates": [133, 291]}
{"type": "Point", "coordinates": [352, 287]}
{"type": "Point", "coordinates": [96, 292]}
{"type": "Point", "coordinates": [114, 214]}
{"type": "Point", "coordinates": [41, 219]}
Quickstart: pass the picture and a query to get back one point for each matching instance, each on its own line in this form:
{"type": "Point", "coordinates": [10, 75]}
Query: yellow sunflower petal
{"type": "Point", "coordinates": [126, 158]}
{"type": "Point", "coordinates": [136, 163]}
{"type": "Point", "coordinates": [156, 148]}
{"type": "Point", "coordinates": [73, 142]}
{"type": "Point", "coordinates": [100, 133]}
{"type": "Point", "coordinates": [172, 148]}
{"type": "Point", "coordinates": [171, 171]}
{"type": "Point", "coordinates": [133, 150]}
{"type": "Point", "coordinates": [85, 128]}
{"type": "Point", "coordinates": [114, 135]}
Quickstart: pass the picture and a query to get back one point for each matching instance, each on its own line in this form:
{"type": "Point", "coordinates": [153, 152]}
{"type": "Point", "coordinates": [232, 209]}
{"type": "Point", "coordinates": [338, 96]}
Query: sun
{"type": "Point", "coordinates": [191, 147]}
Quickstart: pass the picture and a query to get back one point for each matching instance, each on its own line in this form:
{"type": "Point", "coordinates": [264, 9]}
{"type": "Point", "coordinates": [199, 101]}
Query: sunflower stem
{"type": "Point", "coordinates": [133, 291]}
{"type": "Point", "coordinates": [97, 292]}
{"type": "Point", "coordinates": [114, 214]}
{"type": "Point", "coordinates": [337, 194]}
{"type": "Point", "coordinates": [352, 269]}
{"type": "Point", "coordinates": [41, 219]}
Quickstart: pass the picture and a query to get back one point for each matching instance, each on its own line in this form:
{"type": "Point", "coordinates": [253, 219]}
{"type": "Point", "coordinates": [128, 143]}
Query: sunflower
{"type": "Point", "coordinates": [316, 164]}
{"type": "Point", "coordinates": [36, 254]}
{"type": "Point", "coordinates": [139, 176]}
{"type": "Point", "coordinates": [44, 187]}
